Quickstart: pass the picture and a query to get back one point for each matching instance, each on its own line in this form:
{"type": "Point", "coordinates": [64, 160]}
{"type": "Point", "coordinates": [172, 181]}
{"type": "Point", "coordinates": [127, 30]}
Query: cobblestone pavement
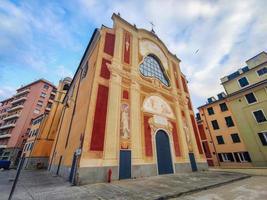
{"type": "Point", "coordinates": [253, 188]}
{"type": "Point", "coordinates": [35, 185]}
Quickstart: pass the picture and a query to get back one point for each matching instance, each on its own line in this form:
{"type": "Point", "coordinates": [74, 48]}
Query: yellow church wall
{"type": "Point", "coordinates": [123, 77]}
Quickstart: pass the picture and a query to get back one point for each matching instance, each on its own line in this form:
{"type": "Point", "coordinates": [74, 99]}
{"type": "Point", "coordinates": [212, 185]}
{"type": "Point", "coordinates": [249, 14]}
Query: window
{"type": "Point", "coordinates": [43, 95]}
{"type": "Point", "coordinates": [235, 138]}
{"type": "Point", "coordinates": [226, 157]}
{"type": "Point", "coordinates": [152, 68]}
{"type": "Point", "coordinates": [263, 138]}
{"type": "Point", "coordinates": [229, 121]}
{"type": "Point", "coordinates": [262, 71]}
{"type": "Point", "coordinates": [215, 124]}
{"type": "Point", "coordinates": [210, 111]}
{"type": "Point", "coordinates": [243, 82]}
{"type": "Point", "coordinates": [250, 98]}
{"type": "Point", "coordinates": [259, 116]}
{"type": "Point", "coordinates": [242, 157]}
{"type": "Point", "coordinates": [220, 139]}
{"type": "Point", "coordinates": [46, 86]}
{"type": "Point", "coordinates": [223, 107]}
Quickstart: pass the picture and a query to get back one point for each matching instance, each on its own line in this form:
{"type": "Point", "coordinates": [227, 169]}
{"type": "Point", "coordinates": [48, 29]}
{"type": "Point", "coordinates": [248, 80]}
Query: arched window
{"type": "Point", "coordinates": [152, 68]}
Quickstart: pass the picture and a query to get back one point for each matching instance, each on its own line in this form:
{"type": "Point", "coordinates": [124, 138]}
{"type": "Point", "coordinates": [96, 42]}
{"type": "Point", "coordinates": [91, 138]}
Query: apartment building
{"type": "Point", "coordinates": [247, 95]}
{"type": "Point", "coordinates": [222, 142]}
{"type": "Point", "coordinates": [235, 124]}
{"type": "Point", "coordinates": [43, 131]}
{"type": "Point", "coordinates": [4, 107]}
{"type": "Point", "coordinates": [29, 102]}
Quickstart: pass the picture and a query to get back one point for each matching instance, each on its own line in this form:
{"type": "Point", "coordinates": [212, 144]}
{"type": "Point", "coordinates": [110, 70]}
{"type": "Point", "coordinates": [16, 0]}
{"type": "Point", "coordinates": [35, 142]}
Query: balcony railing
{"type": "Point", "coordinates": [5, 136]}
{"type": "Point", "coordinates": [3, 146]}
{"type": "Point", "coordinates": [11, 116]}
{"type": "Point", "coordinates": [22, 92]}
{"type": "Point", "coordinates": [15, 108]}
{"type": "Point", "coordinates": [17, 100]}
{"type": "Point", "coordinates": [47, 108]}
{"type": "Point", "coordinates": [11, 125]}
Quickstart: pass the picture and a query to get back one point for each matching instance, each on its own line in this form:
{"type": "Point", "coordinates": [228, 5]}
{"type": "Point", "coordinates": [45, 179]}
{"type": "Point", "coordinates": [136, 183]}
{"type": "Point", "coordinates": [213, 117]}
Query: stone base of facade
{"type": "Point", "coordinates": [12, 154]}
{"type": "Point", "coordinates": [35, 163]}
{"type": "Point", "coordinates": [202, 166]}
{"type": "Point", "coordinates": [259, 163]}
{"type": "Point", "coordinates": [88, 175]}
{"type": "Point", "coordinates": [62, 171]}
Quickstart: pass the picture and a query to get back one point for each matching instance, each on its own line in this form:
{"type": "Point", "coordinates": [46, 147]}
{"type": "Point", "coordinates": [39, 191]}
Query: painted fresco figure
{"type": "Point", "coordinates": [125, 121]}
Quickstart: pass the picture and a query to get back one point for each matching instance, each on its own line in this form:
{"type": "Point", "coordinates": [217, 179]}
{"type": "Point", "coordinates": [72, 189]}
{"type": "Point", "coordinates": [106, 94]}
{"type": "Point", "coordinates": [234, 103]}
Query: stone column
{"type": "Point", "coordinates": [191, 130]}
{"type": "Point", "coordinates": [113, 121]}
{"type": "Point", "coordinates": [136, 130]}
{"type": "Point", "coordinates": [181, 132]}
{"type": "Point", "coordinates": [112, 134]}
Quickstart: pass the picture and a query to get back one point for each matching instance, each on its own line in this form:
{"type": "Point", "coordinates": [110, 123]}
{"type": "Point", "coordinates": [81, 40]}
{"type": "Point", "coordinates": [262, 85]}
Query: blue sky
{"type": "Point", "coordinates": [46, 39]}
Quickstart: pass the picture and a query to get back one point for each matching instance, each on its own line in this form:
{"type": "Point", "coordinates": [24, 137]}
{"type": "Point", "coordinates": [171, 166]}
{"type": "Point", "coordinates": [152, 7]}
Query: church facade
{"type": "Point", "coordinates": [127, 112]}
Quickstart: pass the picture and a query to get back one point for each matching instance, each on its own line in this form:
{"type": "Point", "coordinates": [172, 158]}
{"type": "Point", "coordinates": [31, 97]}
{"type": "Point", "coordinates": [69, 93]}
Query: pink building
{"type": "Point", "coordinates": [30, 101]}
{"type": "Point", "coordinates": [4, 106]}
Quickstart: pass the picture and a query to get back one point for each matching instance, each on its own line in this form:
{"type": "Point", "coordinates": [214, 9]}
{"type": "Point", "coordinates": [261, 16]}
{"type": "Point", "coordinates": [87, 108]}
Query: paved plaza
{"type": "Point", "coordinates": [42, 185]}
{"type": "Point", "coordinates": [253, 188]}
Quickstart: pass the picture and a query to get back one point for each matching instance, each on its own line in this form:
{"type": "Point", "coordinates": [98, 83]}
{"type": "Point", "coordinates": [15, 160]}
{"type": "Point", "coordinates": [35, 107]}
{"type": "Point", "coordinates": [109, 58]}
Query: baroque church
{"type": "Point", "coordinates": [128, 112]}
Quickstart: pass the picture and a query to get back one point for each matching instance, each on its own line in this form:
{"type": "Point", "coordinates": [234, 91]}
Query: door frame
{"type": "Point", "coordinates": [154, 145]}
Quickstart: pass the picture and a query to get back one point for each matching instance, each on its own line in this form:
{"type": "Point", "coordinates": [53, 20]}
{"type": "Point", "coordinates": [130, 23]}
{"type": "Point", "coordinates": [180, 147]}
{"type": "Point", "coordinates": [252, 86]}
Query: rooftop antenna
{"type": "Point", "coordinates": [152, 25]}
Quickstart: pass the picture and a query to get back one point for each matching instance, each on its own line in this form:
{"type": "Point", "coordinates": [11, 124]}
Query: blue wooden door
{"type": "Point", "coordinates": [193, 162]}
{"type": "Point", "coordinates": [125, 164]}
{"type": "Point", "coordinates": [163, 153]}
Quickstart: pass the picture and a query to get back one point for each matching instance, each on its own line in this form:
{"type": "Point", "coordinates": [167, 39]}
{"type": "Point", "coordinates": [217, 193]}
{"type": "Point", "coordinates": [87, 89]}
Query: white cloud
{"type": "Point", "coordinates": [63, 72]}
{"type": "Point", "coordinates": [6, 92]}
{"type": "Point", "coordinates": [228, 31]}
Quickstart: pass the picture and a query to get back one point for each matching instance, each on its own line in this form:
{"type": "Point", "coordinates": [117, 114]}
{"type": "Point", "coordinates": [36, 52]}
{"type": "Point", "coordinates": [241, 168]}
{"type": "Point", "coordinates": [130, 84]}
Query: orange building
{"type": "Point", "coordinates": [128, 111]}
{"type": "Point", "coordinates": [29, 102]}
{"type": "Point", "coordinates": [43, 130]}
{"type": "Point", "coordinates": [220, 135]}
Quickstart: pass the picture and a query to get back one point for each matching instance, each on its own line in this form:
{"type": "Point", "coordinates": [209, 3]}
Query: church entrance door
{"type": "Point", "coordinates": [163, 153]}
{"type": "Point", "coordinates": [125, 164]}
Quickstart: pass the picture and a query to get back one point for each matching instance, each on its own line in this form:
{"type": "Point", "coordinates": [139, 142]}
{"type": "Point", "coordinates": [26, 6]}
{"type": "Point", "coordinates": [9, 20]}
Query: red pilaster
{"type": "Point", "coordinates": [98, 132]}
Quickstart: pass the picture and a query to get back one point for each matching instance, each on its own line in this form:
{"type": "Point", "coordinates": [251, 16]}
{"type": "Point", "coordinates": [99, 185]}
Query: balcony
{"type": "Point", "coordinates": [53, 92]}
{"type": "Point", "coordinates": [17, 100]}
{"type": "Point", "coordinates": [15, 108]}
{"type": "Point", "coordinates": [3, 146]}
{"type": "Point", "coordinates": [50, 100]}
{"type": "Point", "coordinates": [22, 92]}
{"type": "Point", "coordinates": [11, 125]}
{"type": "Point", "coordinates": [47, 108]}
{"type": "Point", "coordinates": [5, 136]}
{"type": "Point", "coordinates": [11, 116]}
